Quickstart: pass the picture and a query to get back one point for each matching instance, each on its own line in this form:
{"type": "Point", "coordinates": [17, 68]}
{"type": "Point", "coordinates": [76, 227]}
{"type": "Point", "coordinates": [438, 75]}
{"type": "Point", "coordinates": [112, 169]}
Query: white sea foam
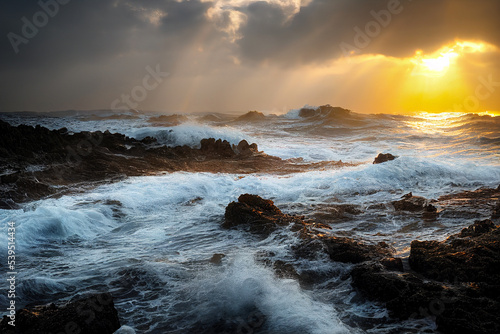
{"type": "Point", "coordinates": [250, 293]}
{"type": "Point", "coordinates": [187, 134]}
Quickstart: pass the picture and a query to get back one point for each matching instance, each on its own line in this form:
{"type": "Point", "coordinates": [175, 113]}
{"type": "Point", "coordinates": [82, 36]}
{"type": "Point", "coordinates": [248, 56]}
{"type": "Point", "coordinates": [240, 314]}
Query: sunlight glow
{"type": "Point", "coordinates": [438, 63]}
{"type": "Point", "coordinates": [433, 66]}
{"type": "Point", "coordinates": [431, 123]}
{"type": "Point", "coordinates": [490, 113]}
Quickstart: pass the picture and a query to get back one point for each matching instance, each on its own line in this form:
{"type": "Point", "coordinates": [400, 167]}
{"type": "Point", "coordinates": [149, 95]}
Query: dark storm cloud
{"type": "Point", "coordinates": [87, 31]}
{"type": "Point", "coordinates": [93, 30]}
{"type": "Point", "coordinates": [92, 51]}
{"type": "Point", "coordinates": [92, 47]}
{"type": "Point", "coordinates": [316, 32]}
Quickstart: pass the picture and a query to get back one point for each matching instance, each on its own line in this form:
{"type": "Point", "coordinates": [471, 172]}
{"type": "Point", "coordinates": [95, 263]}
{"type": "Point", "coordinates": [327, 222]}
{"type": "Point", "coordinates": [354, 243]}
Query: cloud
{"type": "Point", "coordinates": [315, 33]}
{"type": "Point", "coordinates": [221, 54]}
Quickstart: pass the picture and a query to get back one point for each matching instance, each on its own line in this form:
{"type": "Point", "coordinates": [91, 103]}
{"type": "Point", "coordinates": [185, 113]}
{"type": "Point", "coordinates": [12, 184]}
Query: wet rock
{"type": "Point", "coordinates": [413, 204]}
{"type": "Point", "coordinates": [285, 270]}
{"type": "Point", "coordinates": [496, 212]}
{"type": "Point", "coordinates": [217, 147]}
{"type": "Point", "coordinates": [473, 255]}
{"type": "Point", "coordinates": [259, 215]}
{"type": "Point", "coordinates": [245, 149]}
{"type": "Point", "coordinates": [403, 293]}
{"type": "Point", "coordinates": [469, 312]}
{"type": "Point", "coordinates": [336, 212]}
{"type": "Point", "coordinates": [90, 315]}
{"type": "Point", "coordinates": [456, 309]}
{"type": "Point", "coordinates": [263, 217]}
{"type": "Point", "coordinates": [347, 250]}
{"type": "Point", "coordinates": [9, 178]}
{"type": "Point", "coordinates": [217, 259]}
{"type": "Point", "coordinates": [392, 263]}
{"type": "Point", "coordinates": [384, 157]}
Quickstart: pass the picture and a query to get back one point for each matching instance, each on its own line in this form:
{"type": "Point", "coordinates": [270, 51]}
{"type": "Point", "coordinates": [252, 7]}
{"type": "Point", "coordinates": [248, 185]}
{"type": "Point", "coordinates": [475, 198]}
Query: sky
{"type": "Point", "coordinates": [370, 56]}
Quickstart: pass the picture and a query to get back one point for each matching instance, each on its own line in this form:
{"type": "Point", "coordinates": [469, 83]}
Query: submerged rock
{"type": "Point", "coordinates": [217, 258]}
{"type": "Point", "coordinates": [413, 204]}
{"type": "Point", "coordinates": [90, 315]}
{"type": "Point", "coordinates": [383, 157]}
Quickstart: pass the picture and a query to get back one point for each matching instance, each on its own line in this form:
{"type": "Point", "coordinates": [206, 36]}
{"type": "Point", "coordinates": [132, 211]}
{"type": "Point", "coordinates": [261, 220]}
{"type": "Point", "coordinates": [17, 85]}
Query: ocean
{"type": "Point", "coordinates": [148, 240]}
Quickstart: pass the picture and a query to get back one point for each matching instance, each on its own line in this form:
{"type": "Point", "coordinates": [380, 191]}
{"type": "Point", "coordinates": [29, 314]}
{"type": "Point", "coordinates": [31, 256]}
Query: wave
{"type": "Point", "coordinates": [56, 222]}
{"type": "Point", "coordinates": [188, 134]}
{"type": "Point", "coordinates": [254, 299]}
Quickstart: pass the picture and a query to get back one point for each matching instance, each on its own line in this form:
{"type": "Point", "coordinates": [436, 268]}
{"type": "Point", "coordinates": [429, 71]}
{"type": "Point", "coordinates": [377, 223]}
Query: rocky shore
{"type": "Point", "coordinates": [454, 282]}
{"type": "Point", "coordinates": [36, 162]}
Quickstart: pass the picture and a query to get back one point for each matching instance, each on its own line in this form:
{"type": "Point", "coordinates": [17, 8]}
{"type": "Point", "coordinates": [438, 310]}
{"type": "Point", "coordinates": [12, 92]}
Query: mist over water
{"type": "Point", "coordinates": [148, 240]}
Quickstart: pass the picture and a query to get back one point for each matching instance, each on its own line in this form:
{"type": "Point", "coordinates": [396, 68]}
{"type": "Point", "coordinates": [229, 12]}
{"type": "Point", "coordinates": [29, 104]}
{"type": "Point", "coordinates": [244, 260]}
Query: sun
{"type": "Point", "coordinates": [434, 66]}
{"type": "Point", "coordinates": [439, 63]}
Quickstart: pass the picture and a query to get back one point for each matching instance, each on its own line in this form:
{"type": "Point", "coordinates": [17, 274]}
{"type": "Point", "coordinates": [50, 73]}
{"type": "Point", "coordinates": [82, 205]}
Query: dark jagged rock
{"type": "Point", "coordinates": [259, 215]}
{"type": "Point", "coordinates": [245, 149]}
{"type": "Point", "coordinates": [392, 263]}
{"type": "Point", "coordinates": [91, 315]}
{"type": "Point", "coordinates": [403, 293]}
{"type": "Point", "coordinates": [496, 212]}
{"type": "Point", "coordinates": [413, 204]}
{"type": "Point", "coordinates": [217, 147]}
{"type": "Point", "coordinates": [469, 311]}
{"type": "Point", "coordinates": [285, 270]}
{"type": "Point", "coordinates": [263, 217]}
{"type": "Point", "coordinates": [383, 157]}
{"type": "Point", "coordinates": [352, 251]}
{"type": "Point", "coordinates": [473, 255]}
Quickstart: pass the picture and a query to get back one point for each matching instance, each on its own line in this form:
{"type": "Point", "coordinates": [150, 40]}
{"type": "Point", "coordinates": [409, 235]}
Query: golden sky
{"type": "Point", "coordinates": [379, 56]}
